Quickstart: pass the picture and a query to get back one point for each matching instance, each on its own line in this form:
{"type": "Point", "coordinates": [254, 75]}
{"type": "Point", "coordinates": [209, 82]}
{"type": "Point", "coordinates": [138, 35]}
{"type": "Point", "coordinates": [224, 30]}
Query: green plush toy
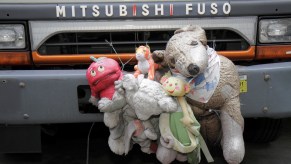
{"type": "Point", "coordinates": [182, 127]}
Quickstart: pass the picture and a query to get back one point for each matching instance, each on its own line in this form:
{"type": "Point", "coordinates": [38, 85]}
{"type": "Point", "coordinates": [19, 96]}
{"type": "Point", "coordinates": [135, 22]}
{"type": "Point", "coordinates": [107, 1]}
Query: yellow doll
{"type": "Point", "coordinates": [183, 125]}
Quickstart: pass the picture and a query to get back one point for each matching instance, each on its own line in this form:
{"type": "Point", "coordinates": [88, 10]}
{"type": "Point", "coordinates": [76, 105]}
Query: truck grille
{"type": "Point", "coordinates": [126, 42]}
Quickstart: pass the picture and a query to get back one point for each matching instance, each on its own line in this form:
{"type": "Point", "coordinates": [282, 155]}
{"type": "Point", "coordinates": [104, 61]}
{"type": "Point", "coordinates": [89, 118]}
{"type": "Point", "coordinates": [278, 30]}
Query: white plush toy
{"type": "Point", "coordinates": [146, 97]}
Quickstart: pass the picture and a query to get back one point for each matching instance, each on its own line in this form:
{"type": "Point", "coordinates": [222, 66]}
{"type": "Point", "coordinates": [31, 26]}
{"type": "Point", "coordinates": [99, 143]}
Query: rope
{"type": "Point", "coordinates": [122, 67]}
{"type": "Point", "coordinates": [122, 64]}
{"type": "Point", "coordinates": [88, 143]}
{"type": "Point", "coordinates": [217, 113]}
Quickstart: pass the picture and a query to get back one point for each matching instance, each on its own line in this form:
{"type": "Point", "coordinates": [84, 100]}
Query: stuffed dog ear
{"type": "Point", "coordinates": [187, 88]}
{"type": "Point", "coordinates": [199, 33]}
{"type": "Point", "coordinates": [158, 57]}
{"type": "Point", "coordinates": [193, 28]}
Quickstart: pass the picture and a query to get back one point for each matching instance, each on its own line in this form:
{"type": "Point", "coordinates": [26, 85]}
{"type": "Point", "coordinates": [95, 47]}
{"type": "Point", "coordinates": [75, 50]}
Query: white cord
{"type": "Point", "coordinates": [213, 44]}
{"type": "Point", "coordinates": [88, 143]}
{"type": "Point", "coordinates": [122, 64]}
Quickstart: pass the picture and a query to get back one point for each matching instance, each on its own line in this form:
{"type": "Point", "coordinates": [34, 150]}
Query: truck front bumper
{"type": "Point", "coordinates": [268, 90]}
{"type": "Point", "coordinates": [43, 96]}
{"type": "Point", "coordinates": [56, 96]}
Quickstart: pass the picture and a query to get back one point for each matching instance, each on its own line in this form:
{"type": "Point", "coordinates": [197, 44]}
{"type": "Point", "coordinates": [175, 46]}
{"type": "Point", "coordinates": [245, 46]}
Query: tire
{"type": "Point", "coordinates": [261, 130]}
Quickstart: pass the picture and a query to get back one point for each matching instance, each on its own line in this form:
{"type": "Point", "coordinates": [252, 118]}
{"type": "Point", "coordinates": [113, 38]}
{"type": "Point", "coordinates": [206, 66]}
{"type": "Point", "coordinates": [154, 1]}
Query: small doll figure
{"type": "Point", "coordinates": [180, 130]}
{"type": "Point", "coordinates": [146, 64]}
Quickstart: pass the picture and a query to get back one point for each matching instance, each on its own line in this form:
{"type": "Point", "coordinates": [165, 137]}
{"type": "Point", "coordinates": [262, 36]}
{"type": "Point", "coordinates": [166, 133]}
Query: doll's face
{"type": "Point", "coordinates": [175, 86]}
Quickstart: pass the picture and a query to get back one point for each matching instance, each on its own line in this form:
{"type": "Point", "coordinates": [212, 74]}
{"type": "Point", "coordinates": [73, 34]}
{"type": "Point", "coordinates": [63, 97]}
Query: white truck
{"type": "Point", "coordinates": [45, 48]}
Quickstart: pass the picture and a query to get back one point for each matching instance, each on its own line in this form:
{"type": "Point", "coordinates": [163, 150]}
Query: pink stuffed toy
{"type": "Point", "coordinates": [101, 76]}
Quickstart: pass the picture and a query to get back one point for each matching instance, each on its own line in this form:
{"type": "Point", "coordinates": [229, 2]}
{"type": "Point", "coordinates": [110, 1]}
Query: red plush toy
{"type": "Point", "coordinates": [101, 76]}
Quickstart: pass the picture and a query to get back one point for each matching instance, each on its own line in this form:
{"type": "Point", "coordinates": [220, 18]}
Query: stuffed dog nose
{"type": "Point", "coordinates": [193, 69]}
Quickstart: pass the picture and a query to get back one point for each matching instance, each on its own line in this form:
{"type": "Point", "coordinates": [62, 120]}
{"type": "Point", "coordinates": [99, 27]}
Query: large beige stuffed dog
{"type": "Point", "coordinates": [215, 86]}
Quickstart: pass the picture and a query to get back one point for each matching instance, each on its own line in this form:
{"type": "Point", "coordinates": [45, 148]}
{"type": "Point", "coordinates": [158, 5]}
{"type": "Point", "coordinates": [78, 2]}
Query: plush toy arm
{"type": "Point", "coordinates": [107, 105]}
{"type": "Point", "coordinates": [168, 104]}
{"type": "Point", "coordinates": [137, 71]}
{"type": "Point", "coordinates": [151, 73]}
{"type": "Point", "coordinates": [93, 100]}
{"type": "Point", "coordinates": [118, 87]}
{"type": "Point", "coordinates": [194, 129]}
{"type": "Point", "coordinates": [187, 121]}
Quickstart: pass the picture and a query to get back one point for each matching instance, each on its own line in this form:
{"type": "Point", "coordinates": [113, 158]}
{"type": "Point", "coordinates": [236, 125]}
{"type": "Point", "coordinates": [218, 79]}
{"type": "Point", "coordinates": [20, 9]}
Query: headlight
{"type": "Point", "coordinates": [275, 30]}
{"type": "Point", "coordinates": [12, 36]}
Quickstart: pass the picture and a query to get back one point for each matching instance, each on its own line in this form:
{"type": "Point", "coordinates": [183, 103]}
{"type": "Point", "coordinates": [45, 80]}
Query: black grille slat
{"type": "Point", "coordinates": [126, 42]}
{"type": "Point", "coordinates": [226, 40]}
{"type": "Point", "coordinates": [104, 43]}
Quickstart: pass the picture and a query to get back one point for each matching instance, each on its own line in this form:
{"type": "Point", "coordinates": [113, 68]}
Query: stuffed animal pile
{"type": "Point", "coordinates": [160, 116]}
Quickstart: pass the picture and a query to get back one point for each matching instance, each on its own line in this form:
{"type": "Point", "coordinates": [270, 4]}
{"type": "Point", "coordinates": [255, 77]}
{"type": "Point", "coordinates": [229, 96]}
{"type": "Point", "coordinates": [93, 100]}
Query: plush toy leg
{"type": "Point", "coordinates": [112, 119]}
{"type": "Point", "coordinates": [142, 133]}
{"type": "Point", "coordinates": [128, 133]}
{"type": "Point", "coordinates": [181, 157]}
{"type": "Point", "coordinates": [116, 139]}
{"type": "Point", "coordinates": [165, 155]}
{"type": "Point", "coordinates": [117, 131]}
{"type": "Point", "coordinates": [145, 146]}
{"type": "Point", "coordinates": [149, 130]}
{"type": "Point", "coordinates": [232, 139]}
{"type": "Point", "coordinates": [117, 145]}
{"type": "Point", "coordinates": [107, 105]}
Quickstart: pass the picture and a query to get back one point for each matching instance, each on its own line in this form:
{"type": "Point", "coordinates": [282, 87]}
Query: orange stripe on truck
{"type": "Point", "coordinates": [15, 58]}
{"type": "Point", "coordinates": [85, 58]}
{"type": "Point", "coordinates": [248, 54]}
{"type": "Point", "coordinates": [77, 58]}
{"type": "Point", "coordinates": [273, 52]}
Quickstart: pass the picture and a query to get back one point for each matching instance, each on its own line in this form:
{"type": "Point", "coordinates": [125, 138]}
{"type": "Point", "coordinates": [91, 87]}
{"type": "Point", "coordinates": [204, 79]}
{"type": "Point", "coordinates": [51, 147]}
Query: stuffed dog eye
{"type": "Point", "coordinates": [194, 43]}
{"type": "Point", "coordinates": [173, 61]}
